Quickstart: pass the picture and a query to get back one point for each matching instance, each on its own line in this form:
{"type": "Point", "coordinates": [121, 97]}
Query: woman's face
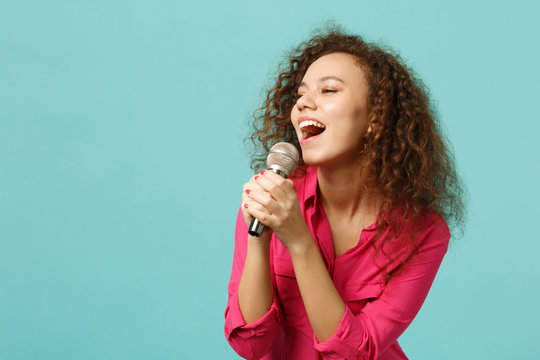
{"type": "Point", "coordinates": [331, 114]}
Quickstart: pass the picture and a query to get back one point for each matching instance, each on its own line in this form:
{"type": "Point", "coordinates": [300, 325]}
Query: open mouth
{"type": "Point", "coordinates": [311, 128]}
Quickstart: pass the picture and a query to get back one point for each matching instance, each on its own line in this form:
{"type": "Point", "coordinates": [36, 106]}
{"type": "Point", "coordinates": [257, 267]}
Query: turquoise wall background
{"type": "Point", "coordinates": [122, 162]}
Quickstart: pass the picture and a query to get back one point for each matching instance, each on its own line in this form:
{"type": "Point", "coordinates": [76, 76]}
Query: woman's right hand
{"type": "Point", "coordinates": [252, 185]}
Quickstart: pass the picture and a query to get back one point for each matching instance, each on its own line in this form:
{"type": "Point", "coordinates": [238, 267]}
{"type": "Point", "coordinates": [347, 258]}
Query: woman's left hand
{"type": "Point", "coordinates": [276, 205]}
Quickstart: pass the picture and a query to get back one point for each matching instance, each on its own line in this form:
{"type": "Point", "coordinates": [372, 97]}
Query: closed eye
{"type": "Point", "coordinates": [326, 91]}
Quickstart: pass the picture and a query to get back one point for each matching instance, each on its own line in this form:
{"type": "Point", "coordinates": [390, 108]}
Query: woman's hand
{"type": "Point", "coordinates": [272, 199]}
{"type": "Point", "coordinates": [248, 206]}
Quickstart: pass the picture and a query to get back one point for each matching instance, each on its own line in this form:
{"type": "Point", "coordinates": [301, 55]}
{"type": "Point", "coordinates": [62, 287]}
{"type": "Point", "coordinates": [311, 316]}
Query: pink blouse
{"type": "Point", "coordinates": [376, 314]}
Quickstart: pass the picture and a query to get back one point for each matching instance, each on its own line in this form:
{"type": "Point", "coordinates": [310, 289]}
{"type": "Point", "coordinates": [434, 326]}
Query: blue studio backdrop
{"type": "Point", "coordinates": [122, 163]}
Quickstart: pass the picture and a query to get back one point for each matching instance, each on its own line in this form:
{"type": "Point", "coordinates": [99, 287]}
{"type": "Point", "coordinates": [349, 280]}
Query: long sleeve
{"type": "Point", "coordinates": [251, 341]}
{"type": "Point", "coordinates": [369, 333]}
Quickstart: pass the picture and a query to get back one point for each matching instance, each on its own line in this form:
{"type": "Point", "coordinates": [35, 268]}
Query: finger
{"type": "Point", "coordinates": [274, 184]}
{"type": "Point", "coordinates": [257, 211]}
{"type": "Point", "coordinates": [272, 175]}
{"type": "Point", "coordinates": [277, 178]}
{"type": "Point", "coordinates": [265, 199]}
{"type": "Point", "coordinates": [286, 185]}
{"type": "Point", "coordinates": [247, 216]}
{"type": "Point", "coordinates": [248, 187]}
{"type": "Point", "coordinates": [251, 185]}
{"type": "Point", "coordinates": [256, 176]}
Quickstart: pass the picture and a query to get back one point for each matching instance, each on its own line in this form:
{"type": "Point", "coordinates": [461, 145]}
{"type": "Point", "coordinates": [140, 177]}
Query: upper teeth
{"type": "Point", "coordinates": [311, 122]}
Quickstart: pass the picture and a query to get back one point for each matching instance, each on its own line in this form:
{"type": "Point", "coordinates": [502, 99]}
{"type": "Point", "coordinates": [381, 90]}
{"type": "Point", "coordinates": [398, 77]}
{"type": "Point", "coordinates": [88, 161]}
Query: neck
{"type": "Point", "coordinates": [342, 190]}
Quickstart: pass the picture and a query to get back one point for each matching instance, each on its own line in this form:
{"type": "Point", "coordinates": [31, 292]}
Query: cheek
{"type": "Point", "coordinates": [294, 113]}
{"type": "Point", "coordinates": [342, 108]}
{"type": "Point", "coordinates": [361, 116]}
{"type": "Point", "coordinates": [294, 118]}
{"type": "Point", "coordinates": [334, 109]}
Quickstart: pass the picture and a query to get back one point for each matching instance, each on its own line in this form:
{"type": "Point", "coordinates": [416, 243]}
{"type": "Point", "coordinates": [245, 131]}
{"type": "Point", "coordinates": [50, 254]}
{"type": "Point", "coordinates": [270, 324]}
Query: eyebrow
{"type": "Point", "coordinates": [324, 78]}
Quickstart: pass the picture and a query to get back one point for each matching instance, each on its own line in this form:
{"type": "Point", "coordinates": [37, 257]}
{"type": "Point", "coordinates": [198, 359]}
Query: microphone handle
{"type": "Point", "coordinates": [256, 227]}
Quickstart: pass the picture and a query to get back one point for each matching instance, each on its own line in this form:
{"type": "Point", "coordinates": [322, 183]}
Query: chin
{"type": "Point", "coordinates": [312, 160]}
{"type": "Point", "coordinates": [307, 160]}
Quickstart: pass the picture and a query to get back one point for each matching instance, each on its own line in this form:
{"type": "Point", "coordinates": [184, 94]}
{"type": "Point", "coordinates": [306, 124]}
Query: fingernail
{"type": "Point", "coordinates": [248, 191]}
{"type": "Point", "coordinates": [256, 177]}
{"type": "Point", "coordinates": [262, 172]}
{"type": "Point", "coordinates": [246, 206]}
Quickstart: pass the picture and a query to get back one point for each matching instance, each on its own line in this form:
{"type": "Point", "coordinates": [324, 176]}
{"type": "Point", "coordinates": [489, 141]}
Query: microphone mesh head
{"type": "Point", "coordinates": [284, 156]}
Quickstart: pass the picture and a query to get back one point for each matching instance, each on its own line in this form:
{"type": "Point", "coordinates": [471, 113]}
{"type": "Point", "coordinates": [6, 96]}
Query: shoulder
{"type": "Point", "coordinates": [427, 235]}
{"type": "Point", "coordinates": [433, 235]}
{"type": "Point", "coordinates": [421, 241]}
{"type": "Point", "coordinates": [427, 225]}
{"type": "Point", "coordinates": [433, 227]}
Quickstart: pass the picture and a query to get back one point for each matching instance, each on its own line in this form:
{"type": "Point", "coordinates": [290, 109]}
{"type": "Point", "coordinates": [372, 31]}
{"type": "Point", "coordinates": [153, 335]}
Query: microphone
{"type": "Point", "coordinates": [282, 160]}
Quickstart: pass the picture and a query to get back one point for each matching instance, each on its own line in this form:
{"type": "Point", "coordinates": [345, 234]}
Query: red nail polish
{"type": "Point", "coordinates": [246, 206]}
{"type": "Point", "coordinates": [256, 177]}
{"type": "Point", "coordinates": [262, 172]}
{"type": "Point", "coordinates": [248, 191]}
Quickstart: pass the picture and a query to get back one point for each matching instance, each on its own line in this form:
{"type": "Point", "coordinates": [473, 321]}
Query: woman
{"type": "Point", "coordinates": [354, 239]}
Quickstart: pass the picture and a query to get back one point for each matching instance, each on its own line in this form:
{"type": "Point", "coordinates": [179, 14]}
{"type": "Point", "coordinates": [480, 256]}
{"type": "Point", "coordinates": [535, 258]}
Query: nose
{"type": "Point", "coordinates": [306, 101]}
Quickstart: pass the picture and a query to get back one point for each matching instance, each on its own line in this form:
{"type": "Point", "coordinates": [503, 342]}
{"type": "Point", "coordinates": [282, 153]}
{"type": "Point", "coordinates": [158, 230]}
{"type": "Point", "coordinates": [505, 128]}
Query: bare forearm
{"type": "Point", "coordinates": [322, 301]}
{"type": "Point", "coordinates": [255, 292]}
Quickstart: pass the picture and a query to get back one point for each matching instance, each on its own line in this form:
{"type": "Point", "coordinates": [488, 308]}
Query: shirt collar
{"type": "Point", "coordinates": [310, 185]}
